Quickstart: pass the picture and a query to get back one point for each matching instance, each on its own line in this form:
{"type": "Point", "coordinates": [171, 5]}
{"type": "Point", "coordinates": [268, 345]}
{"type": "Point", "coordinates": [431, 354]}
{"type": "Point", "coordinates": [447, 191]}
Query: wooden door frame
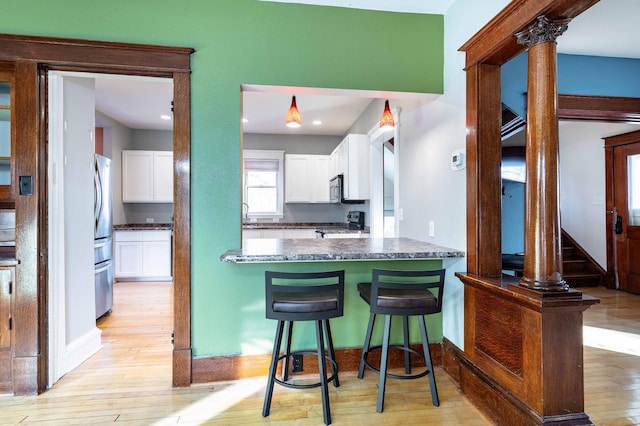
{"type": "Point", "coordinates": [33, 57]}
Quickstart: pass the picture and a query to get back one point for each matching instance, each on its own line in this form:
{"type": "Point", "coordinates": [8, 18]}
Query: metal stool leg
{"type": "Point", "coordinates": [322, 368]}
{"type": "Point", "coordinates": [365, 347]}
{"type": "Point", "coordinates": [407, 360]}
{"type": "Point", "coordinates": [332, 354]}
{"type": "Point", "coordinates": [272, 369]}
{"type": "Point", "coordinates": [287, 345]}
{"type": "Point", "coordinates": [383, 363]}
{"type": "Point", "coordinates": [427, 356]}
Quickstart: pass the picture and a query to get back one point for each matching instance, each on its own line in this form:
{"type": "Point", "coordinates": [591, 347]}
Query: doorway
{"type": "Point", "coordinates": [79, 103]}
{"type": "Point", "coordinates": [385, 182]}
{"type": "Point", "coordinates": [32, 58]}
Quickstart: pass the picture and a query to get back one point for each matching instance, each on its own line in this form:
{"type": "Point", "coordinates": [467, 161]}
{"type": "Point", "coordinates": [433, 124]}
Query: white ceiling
{"type": "Point", "coordinates": [136, 102]}
{"type": "Point", "coordinates": [609, 28]}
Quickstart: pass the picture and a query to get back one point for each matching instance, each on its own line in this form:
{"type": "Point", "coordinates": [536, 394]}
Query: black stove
{"type": "Point", "coordinates": [355, 220]}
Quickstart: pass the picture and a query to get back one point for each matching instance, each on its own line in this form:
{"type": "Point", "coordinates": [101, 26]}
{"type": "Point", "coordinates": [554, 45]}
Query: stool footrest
{"type": "Point", "coordinates": [309, 385]}
{"type": "Point", "coordinates": [397, 376]}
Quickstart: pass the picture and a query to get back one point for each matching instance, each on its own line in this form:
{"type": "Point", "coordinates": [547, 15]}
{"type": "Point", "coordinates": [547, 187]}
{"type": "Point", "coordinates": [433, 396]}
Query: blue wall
{"type": "Point", "coordinates": [577, 75]}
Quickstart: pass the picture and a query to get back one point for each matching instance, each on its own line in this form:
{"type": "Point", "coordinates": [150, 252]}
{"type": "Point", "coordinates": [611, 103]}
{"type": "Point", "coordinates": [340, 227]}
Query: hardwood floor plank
{"type": "Point", "coordinates": [128, 382]}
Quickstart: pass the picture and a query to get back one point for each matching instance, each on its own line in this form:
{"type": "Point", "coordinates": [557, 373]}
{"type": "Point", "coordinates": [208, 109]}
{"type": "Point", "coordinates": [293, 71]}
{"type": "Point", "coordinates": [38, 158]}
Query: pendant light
{"type": "Point", "coordinates": [386, 121]}
{"type": "Point", "coordinates": [293, 116]}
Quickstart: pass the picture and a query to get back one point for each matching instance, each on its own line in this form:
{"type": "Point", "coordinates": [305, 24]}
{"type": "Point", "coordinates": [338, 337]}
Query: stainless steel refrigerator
{"type": "Point", "coordinates": [103, 229]}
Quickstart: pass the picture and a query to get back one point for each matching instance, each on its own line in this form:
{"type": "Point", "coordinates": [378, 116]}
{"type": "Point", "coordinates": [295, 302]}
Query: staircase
{"type": "Point", "coordinates": [579, 269]}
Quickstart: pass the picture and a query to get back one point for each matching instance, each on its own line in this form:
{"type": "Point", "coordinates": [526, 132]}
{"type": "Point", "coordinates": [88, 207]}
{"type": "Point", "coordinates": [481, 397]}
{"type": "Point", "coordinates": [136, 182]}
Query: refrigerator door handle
{"type": "Point", "coordinates": [97, 189]}
{"type": "Point", "coordinates": [105, 266]}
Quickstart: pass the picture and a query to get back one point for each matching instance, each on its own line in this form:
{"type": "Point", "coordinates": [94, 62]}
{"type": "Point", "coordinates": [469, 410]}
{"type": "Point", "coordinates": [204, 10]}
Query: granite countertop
{"type": "Point", "coordinates": [310, 250]}
{"type": "Point", "coordinates": [289, 225]}
{"type": "Point", "coordinates": [143, 227]}
{"type": "Point", "coordinates": [327, 228]}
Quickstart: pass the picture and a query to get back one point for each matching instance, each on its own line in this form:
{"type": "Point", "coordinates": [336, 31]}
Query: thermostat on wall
{"type": "Point", "coordinates": [457, 160]}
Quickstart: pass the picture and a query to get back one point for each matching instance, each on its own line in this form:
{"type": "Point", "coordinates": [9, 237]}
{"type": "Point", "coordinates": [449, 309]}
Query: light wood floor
{"type": "Point", "coordinates": [129, 381]}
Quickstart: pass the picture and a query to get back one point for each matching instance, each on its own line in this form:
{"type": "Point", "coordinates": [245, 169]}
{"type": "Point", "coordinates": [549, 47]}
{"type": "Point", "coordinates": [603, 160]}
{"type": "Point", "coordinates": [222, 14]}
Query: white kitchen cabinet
{"type": "Point", "coordinates": [300, 233]}
{"type": "Point", "coordinates": [346, 235]}
{"type": "Point", "coordinates": [353, 158]}
{"type": "Point", "coordinates": [336, 161]}
{"type": "Point", "coordinates": [272, 233]}
{"type": "Point", "coordinates": [143, 254]}
{"type": "Point", "coordinates": [306, 178]}
{"type": "Point", "coordinates": [279, 233]}
{"type": "Point", "coordinates": [163, 176]}
{"type": "Point", "coordinates": [251, 233]}
{"type": "Point", "coordinates": [262, 233]}
{"type": "Point", "coordinates": [147, 176]}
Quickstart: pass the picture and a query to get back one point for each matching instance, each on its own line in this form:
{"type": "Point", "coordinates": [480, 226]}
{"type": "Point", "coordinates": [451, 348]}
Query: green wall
{"type": "Point", "coordinates": [245, 42]}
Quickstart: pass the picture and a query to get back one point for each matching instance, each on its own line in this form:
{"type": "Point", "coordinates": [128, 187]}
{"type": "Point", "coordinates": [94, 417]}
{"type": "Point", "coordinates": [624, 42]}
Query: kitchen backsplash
{"type": "Point", "coordinates": [140, 212]}
{"type": "Point", "coordinates": [320, 213]}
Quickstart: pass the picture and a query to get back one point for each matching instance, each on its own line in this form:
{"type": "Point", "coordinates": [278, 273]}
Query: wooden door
{"type": "Point", "coordinates": [626, 216]}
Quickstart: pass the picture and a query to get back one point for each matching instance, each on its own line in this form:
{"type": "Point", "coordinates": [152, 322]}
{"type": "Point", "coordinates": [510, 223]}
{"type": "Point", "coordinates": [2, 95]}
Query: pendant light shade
{"type": "Point", "coordinates": [293, 116]}
{"type": "Point", "coordinates": [386, 121]}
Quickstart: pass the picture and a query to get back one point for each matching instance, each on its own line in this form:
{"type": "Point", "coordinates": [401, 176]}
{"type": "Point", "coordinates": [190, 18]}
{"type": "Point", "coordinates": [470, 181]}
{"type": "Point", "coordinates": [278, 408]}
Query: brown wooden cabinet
{"type": "Point", "coordinates": [7, 278]}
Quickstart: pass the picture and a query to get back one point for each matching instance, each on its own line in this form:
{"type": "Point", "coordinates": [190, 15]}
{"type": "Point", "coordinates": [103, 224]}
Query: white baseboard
{"type": "Point", "coordinates": [82, 348]}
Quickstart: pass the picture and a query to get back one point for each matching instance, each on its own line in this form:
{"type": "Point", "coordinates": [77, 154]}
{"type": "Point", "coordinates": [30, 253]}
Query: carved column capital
{"type": "Point", "coordinates": [542, 30]}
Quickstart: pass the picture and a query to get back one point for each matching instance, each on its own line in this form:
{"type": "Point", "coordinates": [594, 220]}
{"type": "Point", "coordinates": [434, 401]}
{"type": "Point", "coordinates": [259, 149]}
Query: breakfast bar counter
{"type": "Point", "coordinates": [318, 250]}
{"type": "Point", "coordinates": [244, 330]}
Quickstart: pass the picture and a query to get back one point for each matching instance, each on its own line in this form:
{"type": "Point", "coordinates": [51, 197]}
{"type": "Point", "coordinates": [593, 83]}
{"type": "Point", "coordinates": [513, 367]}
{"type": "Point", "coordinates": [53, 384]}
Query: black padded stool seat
{"type": "Point", "coordinates": [401, 293]}
{"type": "Point", "coordinates": [398, 298]}
{"type": "Point", "coordinates": [304, 296]}
{"type": "Point", "coordinates": [303, 303]}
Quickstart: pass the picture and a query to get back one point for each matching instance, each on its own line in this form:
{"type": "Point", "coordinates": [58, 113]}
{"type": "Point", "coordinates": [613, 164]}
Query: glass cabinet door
{"type": "Point", "coordinates": [5, 131]}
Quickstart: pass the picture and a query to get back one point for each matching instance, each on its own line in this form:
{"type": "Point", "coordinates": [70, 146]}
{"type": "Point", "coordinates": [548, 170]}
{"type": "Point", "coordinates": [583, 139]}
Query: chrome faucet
{"type": "Point", "coordinates": [245, 212]}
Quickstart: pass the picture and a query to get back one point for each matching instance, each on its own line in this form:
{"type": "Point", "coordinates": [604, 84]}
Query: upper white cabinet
{"type": "Point", "coordinates": [306, 178]}
{"type": "Point", "coordinates": [147, 177]}
{"type": "Point", "coordinates": [351, 159]}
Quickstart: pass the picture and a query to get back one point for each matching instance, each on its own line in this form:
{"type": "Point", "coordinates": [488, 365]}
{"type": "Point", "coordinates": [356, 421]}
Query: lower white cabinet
{"type": "Point", "coordinates": [300, 233]}
{"type": "Point", "coordinates": [346, 235]}
{"type": "Point", "coordinates": [279, 233]}
{"type": "Point", "coordinates": [143, 254]}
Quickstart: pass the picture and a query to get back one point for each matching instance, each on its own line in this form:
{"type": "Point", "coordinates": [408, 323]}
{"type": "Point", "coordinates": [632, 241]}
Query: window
{"type": "Point", "coordinates": [262, 189]}
{"type": "Point", "coordinates": [633, 173]}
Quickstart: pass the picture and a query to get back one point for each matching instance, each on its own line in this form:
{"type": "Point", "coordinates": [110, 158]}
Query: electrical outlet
{"type": "Point", "coordinates": [297, 363]}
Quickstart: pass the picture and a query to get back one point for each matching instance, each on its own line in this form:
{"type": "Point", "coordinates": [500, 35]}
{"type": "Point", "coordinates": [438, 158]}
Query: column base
{"type": "Point", "coordinates": [548, 285]}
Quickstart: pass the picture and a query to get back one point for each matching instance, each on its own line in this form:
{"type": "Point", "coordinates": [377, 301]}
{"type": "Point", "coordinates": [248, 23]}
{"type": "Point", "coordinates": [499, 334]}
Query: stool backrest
{"type": "Point", "coordinates": [304, 287]}
{"type": "Point", "coordinates": [407, 285]}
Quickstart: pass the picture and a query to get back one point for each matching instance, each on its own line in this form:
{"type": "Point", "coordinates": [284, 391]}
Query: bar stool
{"type": "Point", "coordinates": [401, 293]}
{"type": "Point", "coordinates": [304, 296]}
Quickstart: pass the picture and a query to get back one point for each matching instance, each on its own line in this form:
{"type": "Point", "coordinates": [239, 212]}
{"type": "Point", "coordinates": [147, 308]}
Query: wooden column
{"type": "Point", "coordinates": [542, 246]}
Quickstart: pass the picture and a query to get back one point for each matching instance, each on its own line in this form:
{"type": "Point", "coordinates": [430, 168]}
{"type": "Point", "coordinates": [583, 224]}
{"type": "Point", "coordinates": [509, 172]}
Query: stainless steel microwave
{"type": "Point", "coordinates": [335, 190]}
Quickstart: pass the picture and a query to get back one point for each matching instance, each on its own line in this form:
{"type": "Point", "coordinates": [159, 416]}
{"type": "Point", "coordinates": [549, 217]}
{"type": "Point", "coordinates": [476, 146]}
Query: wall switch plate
{"type": "Point", "coordinates": [149, 220]}
{"type": "Point", "coordinates": [432, 229]}
{"type": "Point", "coordinates": [26, 185]}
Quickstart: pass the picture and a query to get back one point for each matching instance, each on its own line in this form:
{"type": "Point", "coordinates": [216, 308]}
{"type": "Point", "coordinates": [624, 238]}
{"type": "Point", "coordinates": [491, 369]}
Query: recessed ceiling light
{"type": "Point", "coordinates": [317, 122]}
{"type": "Point", "coordinates": [245, 120]}
{"type": "Point", "coordinates": [165, 117]}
